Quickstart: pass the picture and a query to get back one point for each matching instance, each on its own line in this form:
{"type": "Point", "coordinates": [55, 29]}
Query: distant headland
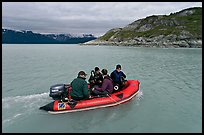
{"type": "Point", "coordinates": [180, 29]}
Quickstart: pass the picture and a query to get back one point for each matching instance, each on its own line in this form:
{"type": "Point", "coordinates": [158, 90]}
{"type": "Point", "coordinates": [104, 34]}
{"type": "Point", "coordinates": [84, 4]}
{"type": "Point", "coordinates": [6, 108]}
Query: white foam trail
{"type": "Point", "coordinates": [17, 115]}
{"type": "Point", "coordinates": [11, 120]}
{"type": "Point", "coordinates": [23, 105]}
{"type": "Point", "coordinates": [139, 96]}
{"type": "Point", "coordinates": [27, 97]}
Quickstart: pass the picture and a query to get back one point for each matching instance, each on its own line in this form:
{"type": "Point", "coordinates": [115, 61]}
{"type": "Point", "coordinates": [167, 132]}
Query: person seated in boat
{"type": "Point", "coordinates": [80, 87]}
{"type": "Point", "coordinates": [96, 78]}
{"type": "Point", "coordinates": [118, 78]}
{"type": "Point", "coordinates": [107, 85]}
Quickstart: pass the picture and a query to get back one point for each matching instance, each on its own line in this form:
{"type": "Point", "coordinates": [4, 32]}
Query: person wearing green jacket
{"type": "Point", "coordinates": [79, 87]}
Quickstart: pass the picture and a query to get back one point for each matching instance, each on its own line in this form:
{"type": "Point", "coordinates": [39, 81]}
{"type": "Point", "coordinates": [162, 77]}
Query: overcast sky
{"type": "Point", "coordinates": [82, 17]}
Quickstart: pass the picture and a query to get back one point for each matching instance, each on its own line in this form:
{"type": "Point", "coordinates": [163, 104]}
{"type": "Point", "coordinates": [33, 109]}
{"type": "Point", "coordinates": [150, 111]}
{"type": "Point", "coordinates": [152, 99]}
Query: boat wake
{"type": "Point", "coordinates": [23, 98]}
{"type": "Point", "coordinates": [16, 107]}
{"type": "Point", "coordinates": [139, 96]}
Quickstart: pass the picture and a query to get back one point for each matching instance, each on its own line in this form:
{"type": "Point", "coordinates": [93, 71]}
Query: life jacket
{"type": "Point", "coordinates": [117, 76]}
{"type": "Point", "coordinates": [92, 77]}
{"type": "Point", "coordinates": [96, 76]}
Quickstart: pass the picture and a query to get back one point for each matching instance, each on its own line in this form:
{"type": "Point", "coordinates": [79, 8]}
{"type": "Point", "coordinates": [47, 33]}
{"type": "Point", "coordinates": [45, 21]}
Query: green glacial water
{"type": "Point", "coordinates": [170, 100]}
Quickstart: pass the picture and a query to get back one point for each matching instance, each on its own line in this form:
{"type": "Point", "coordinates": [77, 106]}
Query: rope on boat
{"type": "Point", "coordinates": [112, 98]}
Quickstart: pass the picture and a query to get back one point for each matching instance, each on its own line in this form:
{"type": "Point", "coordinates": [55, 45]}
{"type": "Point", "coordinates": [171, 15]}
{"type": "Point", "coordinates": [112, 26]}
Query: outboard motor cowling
{"type": "Point", "coordinates": [58, 91]}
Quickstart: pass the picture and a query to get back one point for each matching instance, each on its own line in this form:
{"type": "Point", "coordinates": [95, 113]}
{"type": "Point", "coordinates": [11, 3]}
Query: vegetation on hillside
{"type": "Point", "coordinates": [188, 21]}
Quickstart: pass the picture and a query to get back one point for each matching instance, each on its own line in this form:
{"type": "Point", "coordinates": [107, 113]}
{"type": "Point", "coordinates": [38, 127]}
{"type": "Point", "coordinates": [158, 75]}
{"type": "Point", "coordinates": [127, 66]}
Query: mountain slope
{"type": "Point", "coordinates": [181, 29]}
{"type": "Point", "coordinates": [28, 37]}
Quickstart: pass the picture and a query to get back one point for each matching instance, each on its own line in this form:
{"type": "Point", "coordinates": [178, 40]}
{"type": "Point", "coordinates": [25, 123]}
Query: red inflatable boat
{"type": "Point", "coordinates": [130, 90]}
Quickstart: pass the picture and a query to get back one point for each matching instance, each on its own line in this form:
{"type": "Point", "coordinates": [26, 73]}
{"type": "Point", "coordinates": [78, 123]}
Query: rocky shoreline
{"type": "Point", "coordinates": [154, 42]}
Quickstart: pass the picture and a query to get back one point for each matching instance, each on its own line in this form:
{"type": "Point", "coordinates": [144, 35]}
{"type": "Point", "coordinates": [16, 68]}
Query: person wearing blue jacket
{"type": "Point", "coordinates": [118, 76]}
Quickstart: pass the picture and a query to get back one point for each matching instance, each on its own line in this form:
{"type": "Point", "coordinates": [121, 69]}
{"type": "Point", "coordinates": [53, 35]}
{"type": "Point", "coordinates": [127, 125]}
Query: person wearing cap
{"type": "Point", "coordinates": [79, 87]}
{"type": "Point", "coordinates": [107, 85]}
{"type": "Point", "coordinates": [118, 76]}
{"type": "Point", "coordinates": [96, 78]}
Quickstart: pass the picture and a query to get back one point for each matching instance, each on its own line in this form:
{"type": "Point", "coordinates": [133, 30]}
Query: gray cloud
{"type": "Point", "coordinates": [82, 17]}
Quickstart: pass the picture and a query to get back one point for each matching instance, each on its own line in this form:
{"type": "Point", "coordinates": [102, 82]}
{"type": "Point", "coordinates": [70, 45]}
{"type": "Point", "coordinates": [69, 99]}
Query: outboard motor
{"type": "Point", "coordinates": [58, 91]}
